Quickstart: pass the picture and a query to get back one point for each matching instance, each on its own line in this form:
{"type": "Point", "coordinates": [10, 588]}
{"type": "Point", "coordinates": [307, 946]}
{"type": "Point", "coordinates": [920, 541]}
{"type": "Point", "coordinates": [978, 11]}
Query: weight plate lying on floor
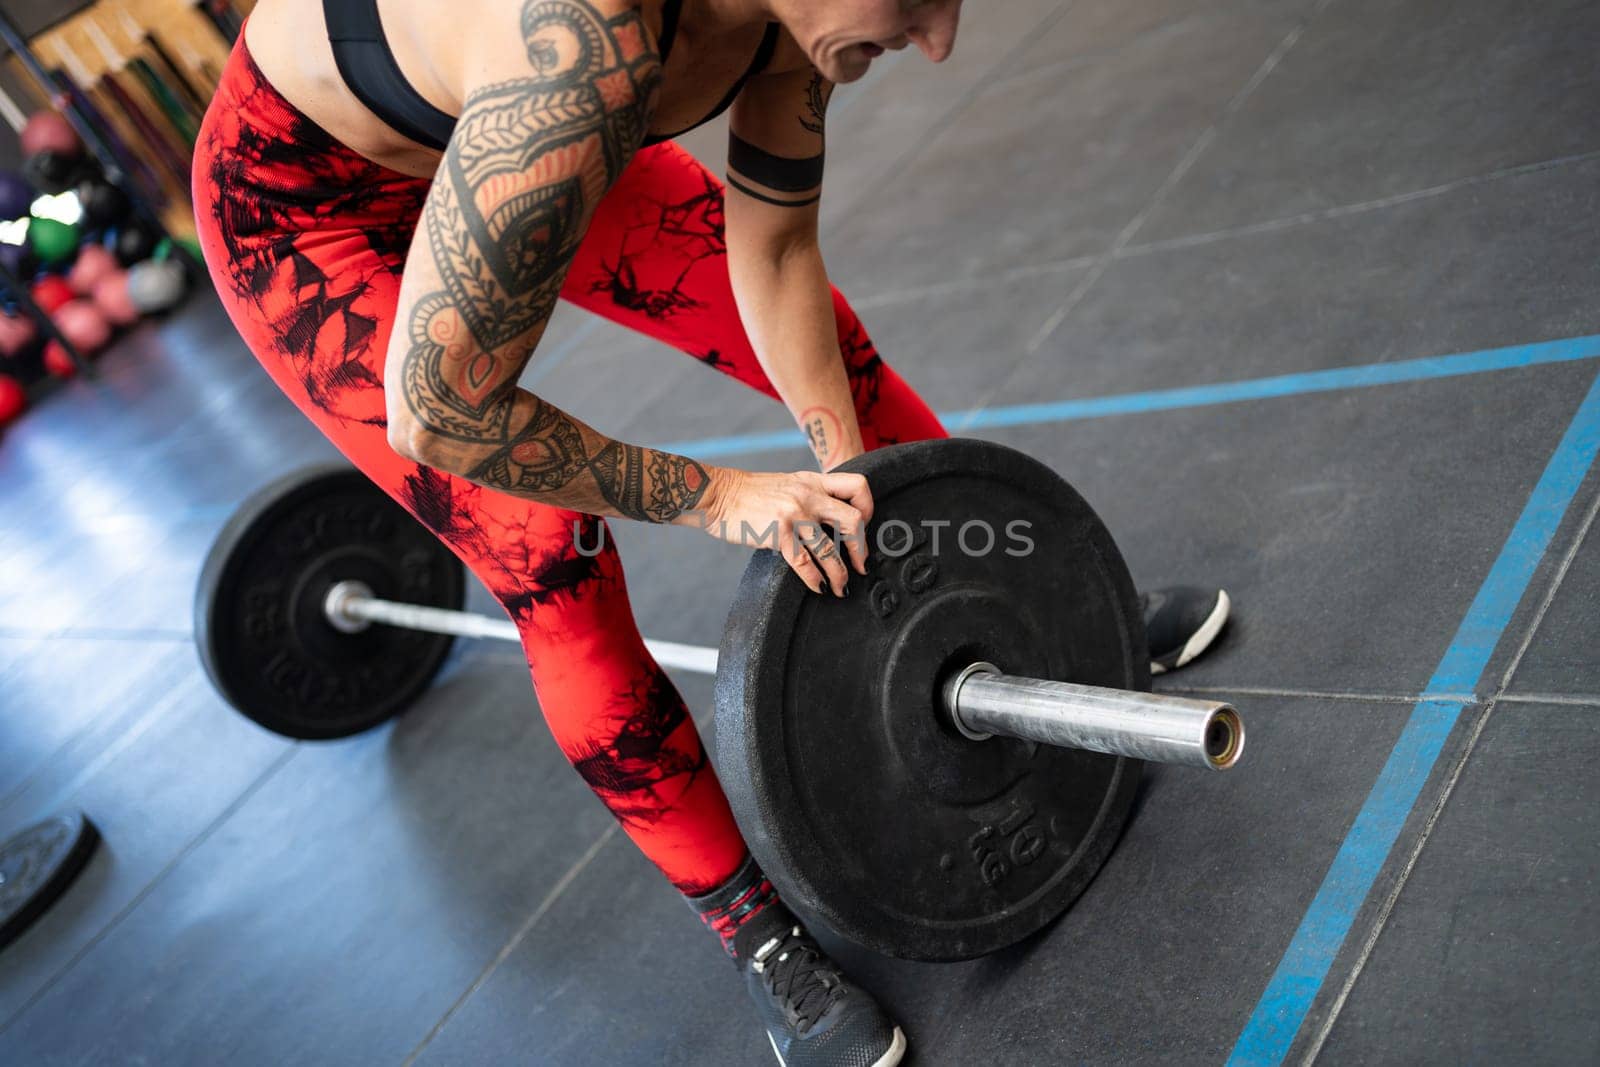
{"type": "Point", "coordinates": [857, 795]}
{"type": "Point", "coordinates": [260, 626]}
{"type": "Point", "coordinates": [37, 866]}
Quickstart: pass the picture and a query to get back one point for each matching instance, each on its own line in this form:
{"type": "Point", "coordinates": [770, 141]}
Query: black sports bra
{"type": "Point", "coordinates": [368, 67]}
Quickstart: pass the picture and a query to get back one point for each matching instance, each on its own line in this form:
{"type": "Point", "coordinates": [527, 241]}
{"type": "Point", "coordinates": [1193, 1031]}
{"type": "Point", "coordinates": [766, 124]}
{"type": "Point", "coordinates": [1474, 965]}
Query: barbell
{"type": "Point", "coordinates": [935, 765]}
{"type": "Point", "coordinates": [1143, 725]}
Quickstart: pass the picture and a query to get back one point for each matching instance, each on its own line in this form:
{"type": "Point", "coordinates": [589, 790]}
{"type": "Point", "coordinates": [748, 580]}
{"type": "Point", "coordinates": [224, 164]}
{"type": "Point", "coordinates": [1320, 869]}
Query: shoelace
{"type": "Point", "coordinates": [796, 972]}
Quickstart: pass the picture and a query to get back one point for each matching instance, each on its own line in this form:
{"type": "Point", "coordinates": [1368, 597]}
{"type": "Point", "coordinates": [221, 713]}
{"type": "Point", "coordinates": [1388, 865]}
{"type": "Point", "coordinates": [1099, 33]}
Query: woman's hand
{"type": "Point", "coordinates": [810, 519]}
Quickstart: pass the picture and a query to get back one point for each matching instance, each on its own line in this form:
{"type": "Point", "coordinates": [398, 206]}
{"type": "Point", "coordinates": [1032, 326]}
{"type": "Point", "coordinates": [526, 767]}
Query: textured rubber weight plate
{"type": "Point", "coordinates": [259, 620]}
{"type": "Point", "coordinates": [37, 866]}
{"type": "Point", "coordinates": [860, 800]}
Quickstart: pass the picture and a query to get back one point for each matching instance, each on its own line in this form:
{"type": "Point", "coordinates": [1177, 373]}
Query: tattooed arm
{"type": "Point", "coordinates": [562, 107]}
{"type": "Point", "coordinates": [775, 153]}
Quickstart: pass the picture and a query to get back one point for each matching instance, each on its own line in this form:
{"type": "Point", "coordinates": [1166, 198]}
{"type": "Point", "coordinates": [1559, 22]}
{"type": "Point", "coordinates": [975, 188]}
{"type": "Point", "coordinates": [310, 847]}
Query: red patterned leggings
{"type": "Point", "coordinates": [306, 241]}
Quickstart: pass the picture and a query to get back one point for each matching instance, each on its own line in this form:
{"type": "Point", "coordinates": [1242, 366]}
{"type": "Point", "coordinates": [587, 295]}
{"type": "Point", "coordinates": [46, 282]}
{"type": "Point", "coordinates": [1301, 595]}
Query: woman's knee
{"type": "Point", "coordinates": [555, 572]}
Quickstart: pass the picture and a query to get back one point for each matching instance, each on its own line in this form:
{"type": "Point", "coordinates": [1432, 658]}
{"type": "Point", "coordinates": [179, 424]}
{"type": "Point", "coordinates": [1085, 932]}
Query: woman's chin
{"type": "Point", "coordinates": [848, 66]}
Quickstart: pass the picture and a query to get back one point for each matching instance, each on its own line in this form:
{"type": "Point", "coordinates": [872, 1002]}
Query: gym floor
{"type": "Point", "coordinates": [1299, 293]}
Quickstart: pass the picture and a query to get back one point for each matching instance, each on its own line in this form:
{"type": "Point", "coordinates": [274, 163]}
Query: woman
{"type": "Point", "coordinates": [390, 210]}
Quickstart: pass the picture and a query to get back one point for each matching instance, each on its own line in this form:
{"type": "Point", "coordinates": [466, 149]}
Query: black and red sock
{"type": "Point", "coordinates": [744, 912]}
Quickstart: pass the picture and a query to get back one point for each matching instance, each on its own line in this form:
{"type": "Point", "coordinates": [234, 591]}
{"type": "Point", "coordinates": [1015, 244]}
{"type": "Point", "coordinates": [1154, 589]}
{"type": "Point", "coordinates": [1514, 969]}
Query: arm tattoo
{"type": "Point", "coordinates": [782, 173]}
{"type": "Point", "coordinates": [646, 484]}
{"type": "Point", "coordinates": [546, 454]}
{"type": "Point", "coordinates": [530, 160]}
{"type": "Point", "coordinates": [824, 432]}
{"type": "Point", "coordinates": [763, 176]}
{"type": "Point", "coordinates": [756, 194]}
{"type": "Point", "coordinates": [817, 94]}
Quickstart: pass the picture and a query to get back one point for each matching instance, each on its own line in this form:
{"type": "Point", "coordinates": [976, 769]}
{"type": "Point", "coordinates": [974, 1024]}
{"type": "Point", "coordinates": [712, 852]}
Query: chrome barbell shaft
{"type": "Point", "coordinates": [351, 607]}
{"type": "Point", "coordinates": [982, 702]}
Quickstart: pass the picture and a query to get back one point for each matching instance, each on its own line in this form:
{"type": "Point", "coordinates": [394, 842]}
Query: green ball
{"type": "Point", "coordinates": [53, 242]}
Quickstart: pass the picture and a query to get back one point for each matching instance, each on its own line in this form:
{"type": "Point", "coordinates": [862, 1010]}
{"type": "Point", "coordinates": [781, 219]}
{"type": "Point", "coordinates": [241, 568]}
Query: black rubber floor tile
{"type": "Point", "coordinates": [877, 126]}
{"type": "Point", "coordinates": [1564, 657]}
{"type": "Point", "coordinates": [132, 565]}
{"type": "Point", "coordinates": [159, 594]}
{"type": "Point", "coordinates": [194, 455]}
{"type": "Point", "coordinates": [153, 781]}
{"type": "Point", "coordinates": [1352, 529]}
{"type": "Point", "coordinates": [1052, 165]}
{"type": "Point", "coordinates": [218, 467]}
{"type": "Point", "coordinates": [618, 970]}
{"type": "Point", "coordinates": [1503, 264]}
{"type": "Point", "coordinates": [1492, 954]}
{"type": "Point", "coordinates": [79, 565]}
{"type": "Point", "coordinates": [1539, 621]}
{"type": "Point", "coordinates": [345, 904]}
{"type": "Point", "coordinates": [1379, 98]}
{"type": "Point", "coordinates": [1162, 960]}
{"type": "Point", "coordinates": [18, 646]}
{"type": "Point", "coordinates": [952, 347]}
{"type": "Point", "coordinates": [71, 701]}
{"type": "Point", "coordinates": [1213, 875]}
{"type": "Point", "coordinates": [57, 573]}
{"type": "Point", "coordinates": [1088, 33]}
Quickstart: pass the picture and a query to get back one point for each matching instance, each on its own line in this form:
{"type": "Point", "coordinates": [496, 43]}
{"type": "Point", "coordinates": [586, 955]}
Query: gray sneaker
{"type": "Point", "coordinates": [813, 1015]}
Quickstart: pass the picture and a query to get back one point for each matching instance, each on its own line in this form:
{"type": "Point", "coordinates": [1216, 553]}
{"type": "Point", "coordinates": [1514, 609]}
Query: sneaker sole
{"type": "Point", "coordinates": [897, 1051]}
{"type": "Point", "coordinates": [1201, 639]}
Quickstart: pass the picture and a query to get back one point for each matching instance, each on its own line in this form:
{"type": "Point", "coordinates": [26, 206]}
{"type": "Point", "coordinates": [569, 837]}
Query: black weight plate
{"type": "Point", "coordinates": [37, 866]}
{"type": "Point", "coordinates": [259, 622]}
{"type": "Point", "coordinates": [863, 804]}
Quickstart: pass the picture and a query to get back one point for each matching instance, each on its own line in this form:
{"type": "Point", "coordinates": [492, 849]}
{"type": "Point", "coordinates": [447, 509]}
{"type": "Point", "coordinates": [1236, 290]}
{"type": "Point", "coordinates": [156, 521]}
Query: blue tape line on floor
{"type": "Point", "coordinates": [1283, 1007]}
{"type": "Point", "coordinates": [1360, 377]}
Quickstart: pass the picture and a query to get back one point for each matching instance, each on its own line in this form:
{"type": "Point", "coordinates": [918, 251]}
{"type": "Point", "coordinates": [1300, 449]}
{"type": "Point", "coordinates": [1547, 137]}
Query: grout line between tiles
{"type": "Point", "coordinates": [150, 887]}
{"type": "Point", "coordinates": [1369, 943]}
{"type": "Point", "coordinates": [517, 938]}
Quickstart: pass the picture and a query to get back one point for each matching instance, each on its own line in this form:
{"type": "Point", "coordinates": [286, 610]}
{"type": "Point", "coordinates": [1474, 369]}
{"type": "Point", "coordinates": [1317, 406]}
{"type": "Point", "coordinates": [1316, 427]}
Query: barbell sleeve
{"type": "Point", "coordinates": [983, 703]}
